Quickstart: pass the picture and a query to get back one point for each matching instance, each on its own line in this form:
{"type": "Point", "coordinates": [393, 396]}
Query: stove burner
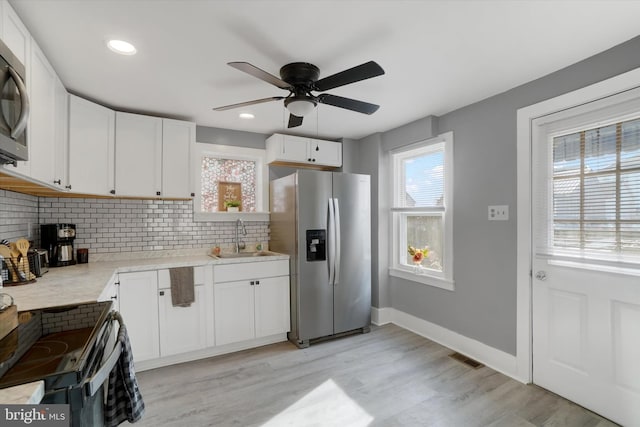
{"type": "Point", "coordinates": [51, 354]}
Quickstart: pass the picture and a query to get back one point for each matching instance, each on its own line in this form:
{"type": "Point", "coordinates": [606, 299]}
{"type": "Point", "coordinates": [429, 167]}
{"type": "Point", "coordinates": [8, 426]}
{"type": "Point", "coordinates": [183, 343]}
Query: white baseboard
{"type": "Point", "coordinates": [381, 316]}
{"type": "Point", "coordinates": [495, 359]}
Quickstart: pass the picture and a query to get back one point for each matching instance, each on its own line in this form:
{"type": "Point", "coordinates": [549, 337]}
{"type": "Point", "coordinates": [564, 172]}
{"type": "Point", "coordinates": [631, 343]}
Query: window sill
{"type": "Point", "coordinates": [436, 282]}
{"type": "Point", "coordinates": [230, 216]}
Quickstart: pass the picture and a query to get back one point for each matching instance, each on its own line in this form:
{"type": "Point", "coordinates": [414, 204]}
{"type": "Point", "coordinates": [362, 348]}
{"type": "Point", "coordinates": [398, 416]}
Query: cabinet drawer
{"type": "Point", "coordinates": [164, 280]}
{"type": "Point", "coordinates": [246, 271]}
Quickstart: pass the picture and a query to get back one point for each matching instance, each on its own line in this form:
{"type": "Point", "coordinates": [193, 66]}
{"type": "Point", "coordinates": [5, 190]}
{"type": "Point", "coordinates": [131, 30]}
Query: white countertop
{"type": "Point", "coordinates": [23, 394]}
{"type": "Point", "coordinates": [83, 283]}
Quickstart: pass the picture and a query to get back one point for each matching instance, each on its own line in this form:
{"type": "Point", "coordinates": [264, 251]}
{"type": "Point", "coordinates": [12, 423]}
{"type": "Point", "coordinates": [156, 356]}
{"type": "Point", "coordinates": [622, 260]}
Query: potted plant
{"type": "Point", "coordinates": [232, 205]}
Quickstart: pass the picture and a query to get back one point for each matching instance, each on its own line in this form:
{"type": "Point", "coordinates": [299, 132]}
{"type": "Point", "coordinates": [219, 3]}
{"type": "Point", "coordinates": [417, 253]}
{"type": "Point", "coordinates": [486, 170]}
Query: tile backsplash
{"type": "Point", "coordinates": [18, 215]}
{"type": "Point", "coordinates": [120, 225]}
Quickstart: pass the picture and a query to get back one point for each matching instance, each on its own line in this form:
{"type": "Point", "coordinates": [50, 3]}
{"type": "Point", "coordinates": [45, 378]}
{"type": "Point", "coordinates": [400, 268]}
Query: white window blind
{"type": "Point", "coordinates": [594, 203]}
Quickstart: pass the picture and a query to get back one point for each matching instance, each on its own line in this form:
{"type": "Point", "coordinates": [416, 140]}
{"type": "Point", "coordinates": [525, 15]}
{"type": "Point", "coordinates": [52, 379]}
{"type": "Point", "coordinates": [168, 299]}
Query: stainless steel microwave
{"type": "Point", "coordinates": [14, 108]}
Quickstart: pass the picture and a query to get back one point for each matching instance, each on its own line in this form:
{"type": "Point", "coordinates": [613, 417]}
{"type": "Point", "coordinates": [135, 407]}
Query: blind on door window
{"type": "Point", "coordinates": [595, 187]}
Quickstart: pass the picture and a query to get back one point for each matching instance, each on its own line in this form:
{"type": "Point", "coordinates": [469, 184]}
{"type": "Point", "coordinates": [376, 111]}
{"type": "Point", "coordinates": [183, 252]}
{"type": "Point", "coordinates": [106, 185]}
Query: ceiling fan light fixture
{"type": "Point", "coordinates": [122, 47]}
{"type": "Point", "coordinates": [300, 107]}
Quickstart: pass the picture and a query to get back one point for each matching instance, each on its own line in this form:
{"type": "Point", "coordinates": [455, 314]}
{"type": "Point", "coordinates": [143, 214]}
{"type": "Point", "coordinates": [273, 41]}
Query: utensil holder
{"type": "Point", "coordinates": [17, 270]}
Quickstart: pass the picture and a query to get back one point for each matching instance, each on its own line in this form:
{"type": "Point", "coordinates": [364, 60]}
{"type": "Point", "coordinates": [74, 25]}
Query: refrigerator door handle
{"type": "Point", "coordinates": [337, 243]}
{"type": "Point", "coordinates": [331, 241]}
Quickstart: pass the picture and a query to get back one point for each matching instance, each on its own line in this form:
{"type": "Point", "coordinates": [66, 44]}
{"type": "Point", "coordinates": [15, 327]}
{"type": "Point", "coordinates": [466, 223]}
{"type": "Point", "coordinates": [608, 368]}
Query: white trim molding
{"type": "Point", "coordinates": [525, 117]}
{"type": "Point", "coordinates": [495, 359]}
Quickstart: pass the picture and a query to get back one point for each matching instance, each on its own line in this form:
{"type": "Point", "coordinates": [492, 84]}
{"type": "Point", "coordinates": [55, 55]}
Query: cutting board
{"type": "Point", "coordinates": [8, 320]}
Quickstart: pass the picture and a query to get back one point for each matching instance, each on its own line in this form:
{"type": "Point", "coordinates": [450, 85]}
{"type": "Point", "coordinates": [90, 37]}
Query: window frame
{"type": "Point", "coordinates": [201, 150]}
{"type": "Point", "coordinates": [443, 279]}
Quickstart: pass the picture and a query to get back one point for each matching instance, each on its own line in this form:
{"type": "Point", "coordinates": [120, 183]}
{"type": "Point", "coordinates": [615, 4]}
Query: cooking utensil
{"type": "Point", "coordinates": [11, 265]}
{"type": "Point", "coordinates": [23, 246]}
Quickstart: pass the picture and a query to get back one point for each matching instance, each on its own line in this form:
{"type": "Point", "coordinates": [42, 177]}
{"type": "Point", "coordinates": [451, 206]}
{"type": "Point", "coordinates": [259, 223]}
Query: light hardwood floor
{"type": "Point", "coordinates": [389, 377]}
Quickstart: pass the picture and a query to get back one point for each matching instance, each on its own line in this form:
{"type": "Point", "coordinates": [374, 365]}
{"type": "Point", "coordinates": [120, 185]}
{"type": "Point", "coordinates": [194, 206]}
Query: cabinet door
{"type": "Point", "coordinates": [177, 137]}
{"type": "Point", "coordinates": [61, 169]}
{"type": "Point", "coordinates": [294, 149]}
{"type": "Point", "coordinates": [326, 153]}
{"type": "Point", "coordinates": [42, 125]}
{"type": "Point", "coordinates": [139, 309]}
{"type": "Point", "coordinates": [138, 155]}
{"type": "Point", "coordinates": [17, 38]}
{"type": "Point", "coordinates": [234, 312]}
{"type": "Point", "coordinates": [91, 147]}
{"type": "Point", "coordinates": [15, 35]}
{"type": "Point", "coordinates": [272, 306]}
{"type": "Point", "coordinates": [182, 329]}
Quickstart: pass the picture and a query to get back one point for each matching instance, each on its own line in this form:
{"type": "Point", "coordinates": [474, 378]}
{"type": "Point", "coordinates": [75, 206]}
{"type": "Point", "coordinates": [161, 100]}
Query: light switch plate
{"type": "Point", "coordinates": [499, 213]}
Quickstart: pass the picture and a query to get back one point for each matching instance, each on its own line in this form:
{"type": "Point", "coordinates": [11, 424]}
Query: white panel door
{"type": "Point", "coordinates": [326, 153]}
{"type": "Point", "coordinates": [42, 125]}
{"type": "Point", "coordinates": [272, 306]}
{"type": "Point", "coordinates": [177, 138]}
{"type": "Point", "coordinates": [91, 147]}
{"type": "Point", "coordinates": [138, 155]}
{"type": "Point", "coordinates": [586, 303]}
{"type": "Point", "coordinates": [139, 308]}
{"type": "Point", "coordinates": [182, 329]}
{"type": "Point", "coordinates": [294, 149]}
{"type": "Point", "coordinates": [234, 311]}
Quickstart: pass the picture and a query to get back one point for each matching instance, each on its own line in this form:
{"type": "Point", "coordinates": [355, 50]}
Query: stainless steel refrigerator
{"type": "Point", "coordinates": [323, 221]}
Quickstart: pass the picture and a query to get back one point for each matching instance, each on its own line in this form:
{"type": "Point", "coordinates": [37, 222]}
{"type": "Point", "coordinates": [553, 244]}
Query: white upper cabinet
{"type": "Point", "coordinates": [177, 139]}
{"type": "Point", "coordinates": [41, 132]}
{"type": "Point", "coordinates": [61, 168]}
{"type": "Point", "coordinates": [91, 147]}
{"type": "Point", "coordinates": [17, 38]}
{"type": "Point", "coordinates": [138, 155]}
{"type": "Point", "coordinates": [15, 35]}
{"type": "Point", "coordinates": [289, 149]}
{"type": "Point", "coordinates": [152, 156]}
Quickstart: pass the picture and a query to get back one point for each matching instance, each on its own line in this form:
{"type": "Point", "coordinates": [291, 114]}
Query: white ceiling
{"type": "Point", "coordinates": [438, 55]}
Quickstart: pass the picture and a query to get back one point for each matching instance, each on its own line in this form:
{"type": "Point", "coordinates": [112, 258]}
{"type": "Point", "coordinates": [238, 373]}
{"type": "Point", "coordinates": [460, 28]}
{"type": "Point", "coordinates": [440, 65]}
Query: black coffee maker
{"type": "Point", "coordinates": [58, 239]}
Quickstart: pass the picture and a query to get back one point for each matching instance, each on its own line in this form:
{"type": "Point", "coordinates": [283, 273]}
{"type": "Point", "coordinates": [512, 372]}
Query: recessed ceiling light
{"type": "Point", "coordinates": [122, 47]}
{"type": "Point", "coordinates": [246, 116]}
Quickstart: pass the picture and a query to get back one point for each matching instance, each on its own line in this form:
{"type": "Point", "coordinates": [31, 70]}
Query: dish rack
{"type": "Point", "coordinates": [18, 270]}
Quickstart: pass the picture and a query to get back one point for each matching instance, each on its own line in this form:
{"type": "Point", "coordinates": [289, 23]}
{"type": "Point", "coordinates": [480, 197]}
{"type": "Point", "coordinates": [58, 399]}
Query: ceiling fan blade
{"type": "Point", "coordinates": [261, 74]}
{"type": "Point", "coordinates": [361, 72]}
{"type": "Point", "coordinates": [294, 121]}
{"type": "Point", "coordinates": [348, 103]}
{"type": "Point", "coordinates": [245, 104]}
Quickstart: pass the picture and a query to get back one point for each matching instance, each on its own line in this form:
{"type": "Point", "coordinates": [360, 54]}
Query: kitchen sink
{"type": "Point", "coordinates": [245, 254]}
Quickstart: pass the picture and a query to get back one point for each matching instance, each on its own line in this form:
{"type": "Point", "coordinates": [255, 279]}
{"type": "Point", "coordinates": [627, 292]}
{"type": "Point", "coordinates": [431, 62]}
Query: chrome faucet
{"type": "Point", "coordinates": [239, 243]}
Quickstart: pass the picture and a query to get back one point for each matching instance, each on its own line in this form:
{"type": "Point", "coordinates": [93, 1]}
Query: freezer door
{"type": "Point", "coordinates": [352, 287]}
{"type": "Point", "coordinates": [314, 292]}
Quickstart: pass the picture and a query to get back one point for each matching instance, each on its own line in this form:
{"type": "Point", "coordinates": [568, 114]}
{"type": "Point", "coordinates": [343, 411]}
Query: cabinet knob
{"type": "Point", "coordinates": [112, 191]}
{"type": "Point", "coordinates": [252, 283]}
{"type": "Point", "coordinates": [161, 293]}
{"type": "Point", "coordinates": [257, 282]}
{"type": "Point", "coordinates": [193, 194]}
{"type": "Point", "coordinates": [309, 159]}
{"type": "Point", "coordinates": [114, 297]}
{"type": "Point", "coordinates": [57, 181]}
{"type": "Point", "coordinates": [68, 187]}
{"type": "Point", "coordinates": [313, 160]}
{"type": "Point", "coordinates": [157, 193]}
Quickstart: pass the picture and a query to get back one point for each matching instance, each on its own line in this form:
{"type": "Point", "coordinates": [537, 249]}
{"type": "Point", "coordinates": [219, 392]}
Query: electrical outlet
{"type": "Point", "coordinates": [499, 213]}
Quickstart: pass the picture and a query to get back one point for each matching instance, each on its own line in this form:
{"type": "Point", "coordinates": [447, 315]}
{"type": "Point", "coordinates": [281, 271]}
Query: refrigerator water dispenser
{"type": "Point", "coordinates": [316, 245]}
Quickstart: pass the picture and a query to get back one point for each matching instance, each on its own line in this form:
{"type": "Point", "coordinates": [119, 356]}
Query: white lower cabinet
{"type": "Point", "coordinates": [256, 305]}
{"type": "Point", "coordinates": [246, 302]}
{"type": "Point", "coordinates": [139, 309]}
{"type": "Point", "coordinates": [182, 329]}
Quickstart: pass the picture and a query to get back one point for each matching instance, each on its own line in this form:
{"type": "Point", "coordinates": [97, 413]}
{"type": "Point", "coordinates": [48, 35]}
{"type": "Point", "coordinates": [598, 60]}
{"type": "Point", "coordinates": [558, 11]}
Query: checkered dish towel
{"type": "Point", "coordinates": [124, 401]}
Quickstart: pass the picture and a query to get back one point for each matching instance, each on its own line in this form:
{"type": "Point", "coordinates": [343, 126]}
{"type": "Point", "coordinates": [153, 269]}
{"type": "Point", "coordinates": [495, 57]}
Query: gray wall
{"type": "Point", "coordinates": [236, 138]}
{"type": "Point", "coordinates": [483, 305]}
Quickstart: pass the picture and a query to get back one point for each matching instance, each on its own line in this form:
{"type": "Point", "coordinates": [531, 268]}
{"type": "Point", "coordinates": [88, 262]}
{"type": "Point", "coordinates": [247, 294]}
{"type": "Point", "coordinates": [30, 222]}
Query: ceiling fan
{"type": "Point", "coordinates": [300, 79]}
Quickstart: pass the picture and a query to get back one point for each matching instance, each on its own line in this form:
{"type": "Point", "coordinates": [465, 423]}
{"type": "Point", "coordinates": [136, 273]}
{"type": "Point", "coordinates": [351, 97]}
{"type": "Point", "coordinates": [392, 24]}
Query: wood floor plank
{"type": "Point", "coordinates": [388, 377]}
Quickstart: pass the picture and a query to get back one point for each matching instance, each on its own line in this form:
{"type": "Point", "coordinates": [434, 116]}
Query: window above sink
{"type": "Point", "coordinates": [215, 163]}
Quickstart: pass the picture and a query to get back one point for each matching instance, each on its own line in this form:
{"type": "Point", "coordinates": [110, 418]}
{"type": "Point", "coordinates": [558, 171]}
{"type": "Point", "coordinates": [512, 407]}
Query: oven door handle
{"type": "Point", "coordinates": [94, 383]}
{"type": "Point", "coordinates": [97, 380]}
